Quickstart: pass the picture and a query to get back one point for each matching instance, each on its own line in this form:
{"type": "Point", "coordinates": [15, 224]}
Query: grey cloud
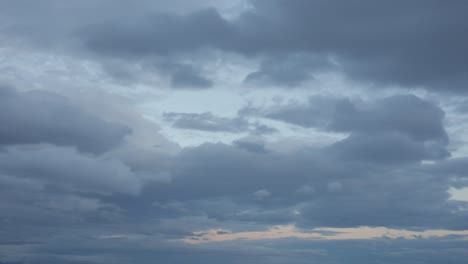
{"type": "Point", "coordinates": [43, 117]}
{"type": "Point", "coordinates": [287, 70]}
{"type": "Point", "coordinates": [209, 122]}
{"type": "Point", "coordinates": [455, 166]}
{"type": "Point", "coordinates": [238, 164]}
{"type": "Point", "coordinates": [371, 40]}
{"type": "Point", "coordinates": [219, 182]}
{"type": "Point", "coordinates": [378, 162]}
{"type": "Point", "coordinates": [262, 129]}
{"type": "Point", "coordinates": [401, 128]}
{"type": "Point", "coordinates": [408, 48]}
{"type": "Point", "coordinates": [69, 169]}
{"type": "Point", "coordinates": [78, 19]}
{"type": "Point", "coordinates": [389, 46]}
{"type": "Point", "coordinates": [189, 78]}
{"type": "Point", "coordinates": [250, 145]}
{"type": "Point", "coordinates": [37, 21]}
{"type": "Point", "coordinates": [388, 148]}
{"type": "Point", "coordinates": [182, 75]}
{"type": "Point", "coordinates": [454, 169]}
{"type": "Point", "coordinates": [366, 169]}
{"type": "Point", "coordinates": [160, 34]}
{"type": "Point", "coordinates": [295, 251]}
{"type": "Point", "coordinates": [71, 193]}
{"type": "Point", "coordinates": [407, 114]}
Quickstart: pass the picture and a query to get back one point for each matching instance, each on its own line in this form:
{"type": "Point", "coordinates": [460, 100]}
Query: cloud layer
{"type": "Point", "coordinates": [170, 132]}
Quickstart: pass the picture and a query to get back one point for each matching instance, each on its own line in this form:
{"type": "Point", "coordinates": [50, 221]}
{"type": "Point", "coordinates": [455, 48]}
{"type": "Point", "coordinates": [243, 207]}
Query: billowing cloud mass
{"type": "Point", "coordinates": [247, 131]}
{"type": "Point", "coordinates": [398, 43]}
{"type": "Point", "coordinates": [42, 117]}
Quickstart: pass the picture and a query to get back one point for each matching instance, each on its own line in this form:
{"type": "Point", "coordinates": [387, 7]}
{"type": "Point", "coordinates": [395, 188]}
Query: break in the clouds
{"type": "Point", "coordinates": [208, 122]}
{"type": "Point", "coordinates": [168, 131]}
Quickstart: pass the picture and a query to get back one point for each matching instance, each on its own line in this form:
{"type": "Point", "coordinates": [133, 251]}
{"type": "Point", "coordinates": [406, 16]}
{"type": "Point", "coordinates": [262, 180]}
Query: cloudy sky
{"type": "Point", "coordinates": [233, 131]}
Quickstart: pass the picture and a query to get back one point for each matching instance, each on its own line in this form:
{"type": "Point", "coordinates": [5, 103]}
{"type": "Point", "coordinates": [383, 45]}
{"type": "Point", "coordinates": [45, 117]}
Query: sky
{"type": "Point", "coordinates": [233, 131]}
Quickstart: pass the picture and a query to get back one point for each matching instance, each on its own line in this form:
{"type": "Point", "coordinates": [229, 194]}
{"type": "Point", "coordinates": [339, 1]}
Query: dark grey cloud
{"type": "Point", "coordinates": [369, 40]}
{"type": "Point", "coordinates": [400, 43]}
{"type": "Point", "coordinates": [73, 189]}
{"type": "Point", "coordinates": [222, 183]}
{"type": "Point", "coordinates": [333, 182]}
{"type": "Point", "coordinates": [421, 43]}
{"type": "Point", "coordinates": [389, 147]}
{"type": "Point", "coordinates": [66, 167]}
{"type": "Point", "coordinates": [406, 114]}
{"type": "Point", "coordinates": [160, 34]}
{"type": "Point", "coordinates": [44, 117]}
{"type": "Point", "coordinates": [78, 249]}
{"type": "Point", "coordinates": [250, 145]}
{"type": "Point", "coordinates": [285, 70]}
{"type": "Point", "coordinates": [240, 184]}
{"type": "Point", "coordinates": [381, 158]}
{"type": "Point", "coordinates": [209, 122]}
{"type": "Point", "coordinates": [400, 128]}
{"type": "Point", "coordinates": [262, 129]}
{"type": "Point", "coordinates": [40, 30]}
{"type": "Point", "coordinates": [189, 78]}
{"type": "Point", "coordinates": [455, 169]}
{"type": "Point", "coordinates": [182, 75]}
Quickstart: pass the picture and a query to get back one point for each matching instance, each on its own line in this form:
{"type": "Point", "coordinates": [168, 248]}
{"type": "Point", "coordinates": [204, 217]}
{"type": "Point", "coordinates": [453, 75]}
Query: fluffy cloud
{"type": "Point", "coordinates": [277, 27]}
{"type": "Point", "coordinates": [44, 117]}
{"type": "Point", "coordinates": [87, 174]}
{"type": "Point", "coordinates": [65, 167]}
{"type": "Point", "coordinates": [389, 46]}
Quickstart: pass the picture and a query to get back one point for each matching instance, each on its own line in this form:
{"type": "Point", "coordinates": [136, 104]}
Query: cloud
{"type": "Point", "coordinates": [399, 128]}
{"type": "Point", "coordinates": [289, 71]}
{"type": "Point", "coordinates": [388, 147]}
{"type": "Point", "coordinates": [67, 249]}
{"type": "Point", "coordinates": [159, 34]}
{"type": "Point", "coordinates": [206, 121]}
{"type": "Point", "coordinates": [67, 168]}
{"type": "Point", "coordinates": [342, 185]}
{"type": "Point", "coordinates": [87, 177]}
{"type": "Point", "coordinates": [389, 46]}
{"type": "Point", "coordinates": [262, 194]}
{"type": "Point", "coordinates": [407, 114]}
{"type": "Point", "coordinates": [44, 117]}
{"type": "Point", "coordinates": [279, 232]}
{"type": "Point", "coordinates": [317, 112]}
{"type": "Point", "coordinates": [250, 145]}
{"type": "Point", "coordinates": [188, 77]}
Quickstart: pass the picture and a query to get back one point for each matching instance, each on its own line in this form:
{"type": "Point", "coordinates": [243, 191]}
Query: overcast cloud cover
{"type": "Point", "coordinates": [246, 131]}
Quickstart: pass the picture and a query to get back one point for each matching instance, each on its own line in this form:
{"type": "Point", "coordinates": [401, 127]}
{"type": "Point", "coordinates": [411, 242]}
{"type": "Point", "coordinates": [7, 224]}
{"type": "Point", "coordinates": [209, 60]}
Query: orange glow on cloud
{"type": "Point", "coordinates": [290, 231]}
